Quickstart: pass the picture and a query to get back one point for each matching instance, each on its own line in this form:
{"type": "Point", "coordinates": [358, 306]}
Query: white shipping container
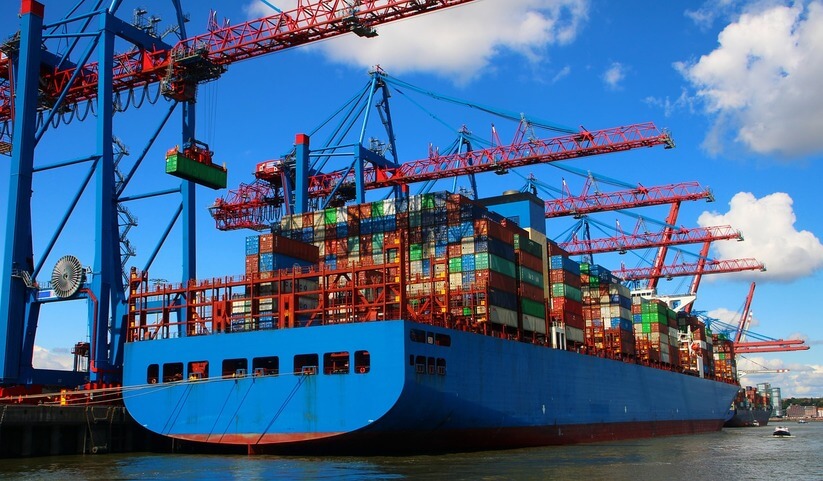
{"type": "Point", "coordinates": [498, 315]}
{"type": "Point", "coordinates": [342, 214]}
{"type": "Point", "coordinates": [467, 245]}
{"type": "Point", "coordinates": [574, 334]}
{"type": "Point", "coordinates": [389, 208]}
{"type": "Point", "coordinates": [455, 280]}
{"type": "Point", "coordinates": [319, 220]}
{"type": "Point", "coordinates": [535, 324]}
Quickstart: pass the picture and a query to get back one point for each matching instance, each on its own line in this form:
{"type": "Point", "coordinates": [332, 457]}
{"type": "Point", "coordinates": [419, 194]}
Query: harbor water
{"type": "Point", "coordinates": [731, 454]}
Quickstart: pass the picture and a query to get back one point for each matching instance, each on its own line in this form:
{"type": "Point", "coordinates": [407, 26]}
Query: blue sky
{"type": "Point", "coordinates": [736, 83]}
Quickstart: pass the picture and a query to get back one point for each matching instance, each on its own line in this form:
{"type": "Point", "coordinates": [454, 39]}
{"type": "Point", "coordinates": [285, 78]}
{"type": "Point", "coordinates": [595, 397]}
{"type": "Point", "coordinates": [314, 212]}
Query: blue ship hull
{"type": "Point", "coordinates": [445, 391]}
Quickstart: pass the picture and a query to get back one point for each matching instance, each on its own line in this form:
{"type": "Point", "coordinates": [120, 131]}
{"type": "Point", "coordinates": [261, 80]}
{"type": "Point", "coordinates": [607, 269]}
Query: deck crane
{"type": "Point", "coordinates": [41, 87]}
{"type": "Point", "coordinates": [250, 206]}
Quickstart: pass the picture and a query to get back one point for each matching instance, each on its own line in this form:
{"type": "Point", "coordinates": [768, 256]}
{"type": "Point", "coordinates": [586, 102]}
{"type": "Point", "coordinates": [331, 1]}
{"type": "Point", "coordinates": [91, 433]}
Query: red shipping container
{"type": "Point", "coordinates": [531, 292]}
{"type": "Point", "coordinates": [266, 243]}
{"type": "Point", "coordinates": [308, 219]}
{"type": "Point", "coordinates": [496, 280]}
{"type": "Point", "coordinates": [353, 212]}
{"type": "Point", "coordinates": [571, 319]}
{"type": "Point", "coordinates": [252, 264]}
{"type": "Point", "coordinates": [527, 260]}
{"type": "Point", "coordinates": [556, 250]}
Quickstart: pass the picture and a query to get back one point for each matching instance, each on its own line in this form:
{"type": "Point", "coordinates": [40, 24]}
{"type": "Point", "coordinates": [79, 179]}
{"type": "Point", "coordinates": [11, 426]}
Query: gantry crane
{"type": "Point", "coordinates": [587, 203]}
{"type": "Point", "coordinates": [257, 204]}
{"type": "Point", "coordinates": [40, 88]}
{"type": "Point", "coordinates": [643, 240]}
{"type": "Point", "coordinates": [689, 269]}
{"type": "Point", "coordinates": [763, 344]}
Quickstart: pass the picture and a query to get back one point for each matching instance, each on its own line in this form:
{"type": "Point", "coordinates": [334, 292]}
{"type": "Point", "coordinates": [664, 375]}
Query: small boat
{"type": "Point", "coordinates": [781, 431]}
{"type": "Point", "coordinates": [801, 421]}
{"type": "Point", "coordinates": [755, 423]}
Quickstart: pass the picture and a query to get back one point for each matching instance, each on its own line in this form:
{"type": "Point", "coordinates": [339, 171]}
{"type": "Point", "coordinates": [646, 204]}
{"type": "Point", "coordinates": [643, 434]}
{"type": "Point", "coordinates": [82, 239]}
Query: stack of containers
{"type": "Point", "coordinates": [696, 353]}
{"type": "Point", "coordinates": [606, 311]}
{"type": "Point", "coordinates": [530, 281]}
{"type": "Point", "coordinates": [455, 246]}
{"type": "Point", "coordinates": [651, 333]}
{"type": "Point", "coordinates": [724, 361]}
{"type": "Point", "coordinates": [566, 296]}
{"type": "Point", "coordinates": [265, 254]}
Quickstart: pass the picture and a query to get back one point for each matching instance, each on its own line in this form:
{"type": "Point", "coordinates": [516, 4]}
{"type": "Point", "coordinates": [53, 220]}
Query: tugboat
{"type": "Point", "coordinates": [781, 432]}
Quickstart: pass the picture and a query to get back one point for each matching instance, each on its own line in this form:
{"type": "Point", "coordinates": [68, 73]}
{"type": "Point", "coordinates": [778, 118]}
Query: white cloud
{"type": "Point", "coordinates": [458, 43]}
{"type": "Point", "coordinates": [762, 81]}
{"type": "Point", "coordinates": [45, 359]}
{"type": "Point", "coordinates": [767, 225]}
{"type": "Point", "coordinates": [710, 11]}
{"type": "Point", "coordinates": [731, 318]}
{"type": "Point", "coordinates": [563, 73]}
{"type": "Point", "coordinates": [801, 380]}
{"type": "Point", "coordinates": [614, 75]}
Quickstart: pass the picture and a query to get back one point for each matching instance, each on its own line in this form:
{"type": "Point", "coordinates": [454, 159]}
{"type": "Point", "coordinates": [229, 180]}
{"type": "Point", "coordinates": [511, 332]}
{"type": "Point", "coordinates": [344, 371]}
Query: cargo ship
{"type": "Point", "coordinates": [431, 323]}
{"type": "Point", "coordinates": [750, 408]}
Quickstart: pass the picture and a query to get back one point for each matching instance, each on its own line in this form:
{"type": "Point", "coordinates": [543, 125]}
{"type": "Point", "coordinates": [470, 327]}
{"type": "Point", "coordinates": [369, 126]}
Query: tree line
{"type": "Point", "coordinates": [802, 401]}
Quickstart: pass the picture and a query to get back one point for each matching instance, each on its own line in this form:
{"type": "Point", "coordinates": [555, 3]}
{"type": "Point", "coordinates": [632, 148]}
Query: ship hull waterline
{"type": "Point", "coordinates": [474, 392]}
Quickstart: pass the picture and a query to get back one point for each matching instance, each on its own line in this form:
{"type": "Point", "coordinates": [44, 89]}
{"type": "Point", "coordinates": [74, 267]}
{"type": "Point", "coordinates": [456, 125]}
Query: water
{"type": "Point", "coordinates": [732, 454]}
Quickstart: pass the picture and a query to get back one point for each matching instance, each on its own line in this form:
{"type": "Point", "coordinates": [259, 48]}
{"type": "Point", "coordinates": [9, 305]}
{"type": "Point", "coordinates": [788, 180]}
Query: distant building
{"type": "Point", "coordinates": [798, 411]}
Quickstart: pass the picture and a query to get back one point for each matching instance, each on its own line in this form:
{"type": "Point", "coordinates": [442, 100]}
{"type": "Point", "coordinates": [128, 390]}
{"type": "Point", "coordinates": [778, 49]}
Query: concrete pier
{"type": "Point", "coordinates": [46, 430]}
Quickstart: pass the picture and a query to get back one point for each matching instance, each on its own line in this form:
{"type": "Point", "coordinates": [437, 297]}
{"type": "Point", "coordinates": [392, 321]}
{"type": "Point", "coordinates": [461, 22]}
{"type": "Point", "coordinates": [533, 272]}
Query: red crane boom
{"type": "Point", "coordinates": [204, 57]}
{"type": "Point", "coordinates": [503, 157]}
{"type": "Point", "coordinates": [778, 345]}
{"type": "Point", "coordinates": [624, 242]}
{"type": "Point", "coordinates": [233, 211]}
{"type": "Point", "coordinates": [679, 270]}
{"type": "Point", "coordinates": [626, 199]}
{"type": "Point", "coordinates": [744, 317]}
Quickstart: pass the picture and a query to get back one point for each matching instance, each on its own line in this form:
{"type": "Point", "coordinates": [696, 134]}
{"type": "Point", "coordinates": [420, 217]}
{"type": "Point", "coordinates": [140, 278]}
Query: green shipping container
{"type": "Point", "coordinates": [484, 260]}
{"type": "Point", "coordinates": [523, 243]}
{"type": "Point", "coordinates": [456, 264]}
{"type": "Point", "coordinates": [377, 208]}
{"type": "Point", "coordinates": [532, 277]}
{"type": "Point", "coordinates": [533, 308]}
{"type": "Point", "coordinates": [567, 291]}
{"type": "Point", "coordinates": [377, 242]}
{"type": "Point", "coordinates": [330, 216]}
{"type": "Point", "coordinates": [209, 175]}
{"type": "Point", "coordinates": [416, 252]}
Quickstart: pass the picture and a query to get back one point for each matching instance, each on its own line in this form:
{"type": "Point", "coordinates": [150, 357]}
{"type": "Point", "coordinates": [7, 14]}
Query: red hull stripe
{"type": "Point", "coordinates": [471, 439]}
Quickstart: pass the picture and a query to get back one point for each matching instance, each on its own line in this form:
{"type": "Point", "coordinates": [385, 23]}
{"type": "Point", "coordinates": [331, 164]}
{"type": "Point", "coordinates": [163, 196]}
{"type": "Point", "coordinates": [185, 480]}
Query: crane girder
{"type": "Point", "coordinates": [204, 57]}
{"type": "Point", "coordinates": [680, 270]}
{"type": "Point", "coordinates": [625, 242]}
{"type": "Point", "coordinates": [744, 318]}
{"type": "Point", "coordinates": [436, 166]}
{"type": "Point", "coordinates": [626, 199]}
{"type": "Point", "coordinates": [501, 158]}
{"type": "Point", "coordinates": [777, 345]}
